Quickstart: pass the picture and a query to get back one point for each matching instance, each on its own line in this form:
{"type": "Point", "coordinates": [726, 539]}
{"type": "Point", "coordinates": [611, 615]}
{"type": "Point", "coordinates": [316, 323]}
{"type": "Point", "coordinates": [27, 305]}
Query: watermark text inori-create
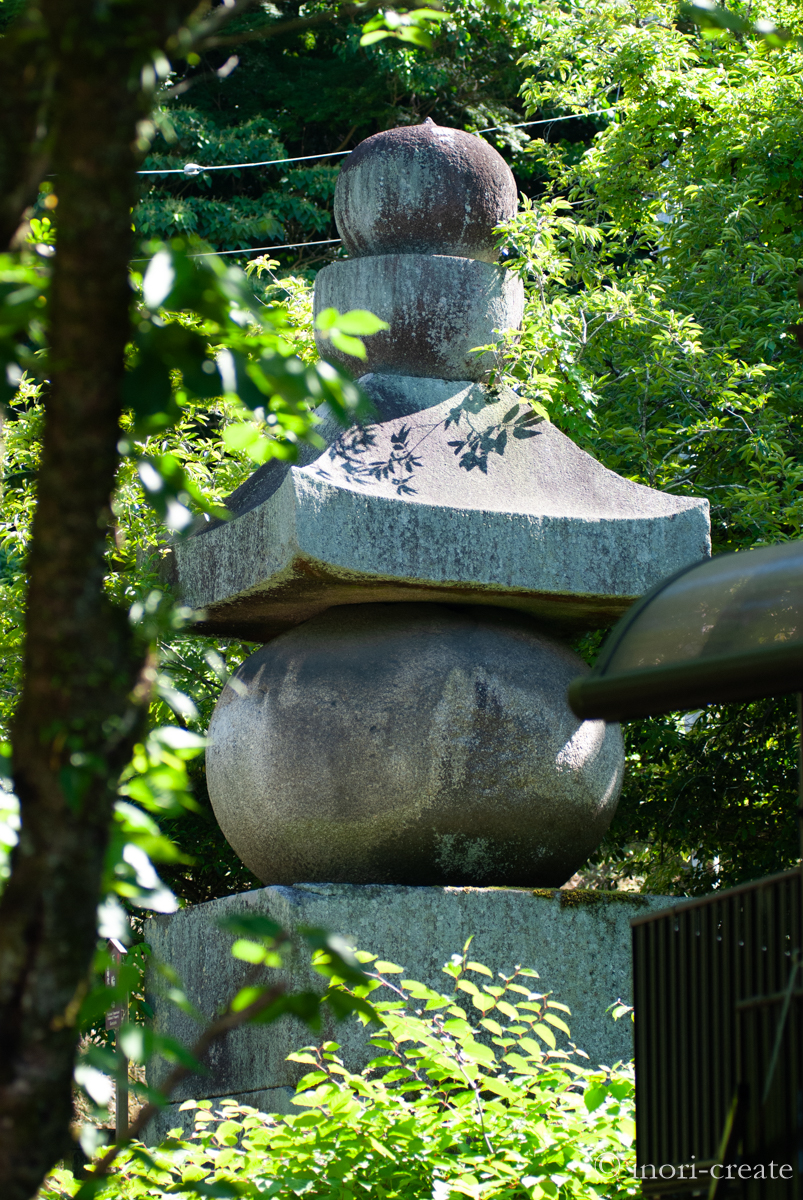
{"type": "Point", "coordinates": [668, 1171]}
{"type": "Point", "coordinates": [610, 1162]}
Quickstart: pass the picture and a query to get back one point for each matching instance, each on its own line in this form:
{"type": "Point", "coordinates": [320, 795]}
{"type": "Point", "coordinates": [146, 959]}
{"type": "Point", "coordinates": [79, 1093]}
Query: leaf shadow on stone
{"type": "Point", "coordinates": [356, 452]}
{"type": "Point", "coordinates": [352, 452]}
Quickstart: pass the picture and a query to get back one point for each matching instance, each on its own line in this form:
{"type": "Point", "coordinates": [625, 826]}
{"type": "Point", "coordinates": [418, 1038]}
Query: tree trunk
{"type": "Point", "coordinates": [27, 80]}
{"type": "Point", "coordinates": [73, 97]}
{"type": "Point", "coordinates": [76, 720]}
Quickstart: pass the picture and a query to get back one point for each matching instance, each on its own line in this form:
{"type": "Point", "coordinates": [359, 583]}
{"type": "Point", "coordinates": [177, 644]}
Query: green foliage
{"type": "Point", "coordinates": [206, 356]}
{"type": "Point", "coordinates": [717, 21]}
{"type": "Point", "coordinates": [236, 220]}
{"type": "Point", "coordinates": [409, 26]}
{"type": "Point", "coordinates": [9, 830]}
{"type": "Point", "coordinates": [340, 329]}
{"type": "Point", "coordinates": [711, 797]}
{"type": "Point", "coordinates": [201, 333]}
{"type": "Point", "coordinates": [468, 1095]}
{"type": "Point", "coordinates": [318, 92]}
{"type": "Point", "coordinates": [105, 1056]}
{"type": "Point", "coordinates": [662, 268]}
{"type": "Point", "coordinates": [23, 304]}
{"type": "Point", "coordinates": [9, 9]}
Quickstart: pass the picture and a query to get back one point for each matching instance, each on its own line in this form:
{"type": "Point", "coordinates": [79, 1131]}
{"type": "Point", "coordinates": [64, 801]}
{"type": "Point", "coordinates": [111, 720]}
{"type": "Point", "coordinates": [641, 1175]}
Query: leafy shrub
{"type": "Point", "coordinates": [661, 333]}
{"type": "Point", "coordinates": [469, 1095]}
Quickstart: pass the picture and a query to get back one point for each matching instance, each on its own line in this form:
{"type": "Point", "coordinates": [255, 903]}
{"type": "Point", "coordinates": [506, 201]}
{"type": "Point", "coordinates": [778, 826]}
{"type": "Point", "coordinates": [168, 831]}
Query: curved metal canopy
{"type": "Point", "coordinates": [727, 629]}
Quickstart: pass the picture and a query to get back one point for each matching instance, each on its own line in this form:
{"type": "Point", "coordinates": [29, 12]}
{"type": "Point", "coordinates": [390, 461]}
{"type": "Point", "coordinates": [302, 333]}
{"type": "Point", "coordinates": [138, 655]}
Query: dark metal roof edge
{"type": "Point", "coordinates": [713, 897]}
{"type": "Point", "coordinates": [653, 690]}
{"type": "Point", "coordinates": [624, 623]}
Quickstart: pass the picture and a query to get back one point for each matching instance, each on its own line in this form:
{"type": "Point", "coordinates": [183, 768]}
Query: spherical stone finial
{"type": "Point", "coordinates": [423, 189]}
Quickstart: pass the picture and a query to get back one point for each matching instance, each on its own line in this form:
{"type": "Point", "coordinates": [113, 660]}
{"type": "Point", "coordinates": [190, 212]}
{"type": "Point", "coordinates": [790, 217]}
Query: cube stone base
{"type": "Point", "coordinates": [578, 941]}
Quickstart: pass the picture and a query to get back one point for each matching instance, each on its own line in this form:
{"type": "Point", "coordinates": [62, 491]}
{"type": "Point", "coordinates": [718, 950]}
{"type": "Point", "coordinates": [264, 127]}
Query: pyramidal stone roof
{"type": "Point", "coordinates": [457, 492]}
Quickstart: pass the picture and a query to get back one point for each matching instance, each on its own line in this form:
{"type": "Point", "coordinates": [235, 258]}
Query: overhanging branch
{"type": "Point", "coordinates": [296, 24]}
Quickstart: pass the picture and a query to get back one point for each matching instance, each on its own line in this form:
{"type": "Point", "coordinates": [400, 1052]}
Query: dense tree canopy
{"type": "Point", "coordinates": [663, 334]}
{"type": "Point", "coordinates": [661, 253]}
{"type": "Point", "coordinates": [319, 93]}
{"type": "Point", "coordinates": [661, 242]}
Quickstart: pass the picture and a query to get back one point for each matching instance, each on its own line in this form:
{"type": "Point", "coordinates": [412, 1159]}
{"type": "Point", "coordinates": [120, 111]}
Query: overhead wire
{"type": "Point", "coordinates": [595, 112]}
{"type": "Point", "coordinates": [251, 249]}
{"type": "Point", "coordinates": [256, 249]}
{"type": "Point", "coordinates": [192, 169]}
{"type": "Point", "coordinates": [198, 169]}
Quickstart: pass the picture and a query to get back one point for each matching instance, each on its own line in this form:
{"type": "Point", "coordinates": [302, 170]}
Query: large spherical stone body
{"type": "Point", "coordinates": [423, 189]}
{"type": "Point", "coordinates": [411, 744]}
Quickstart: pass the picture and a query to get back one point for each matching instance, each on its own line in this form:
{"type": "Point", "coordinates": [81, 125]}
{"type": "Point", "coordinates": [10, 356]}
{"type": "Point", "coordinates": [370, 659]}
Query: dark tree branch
{"type": "Point", "coordinates": [217, 18]}
{"type": "Point", "coordinates": [214, 1032]}
{"type": "Point", "coordinates": [181, 89]}
{"type": "Point", "coordinates": [299, 24]}
{"type": "Point", "coordinates": [28, 82]}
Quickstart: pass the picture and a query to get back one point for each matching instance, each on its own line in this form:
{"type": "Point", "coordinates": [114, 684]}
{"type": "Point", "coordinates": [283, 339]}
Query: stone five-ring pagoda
{"type": "Point", "coordinates": [405, 721]}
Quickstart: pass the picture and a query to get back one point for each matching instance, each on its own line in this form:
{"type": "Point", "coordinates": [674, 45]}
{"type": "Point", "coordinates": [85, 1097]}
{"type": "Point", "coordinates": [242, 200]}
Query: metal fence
{"type": "Point", "coordinates": [718, 994]}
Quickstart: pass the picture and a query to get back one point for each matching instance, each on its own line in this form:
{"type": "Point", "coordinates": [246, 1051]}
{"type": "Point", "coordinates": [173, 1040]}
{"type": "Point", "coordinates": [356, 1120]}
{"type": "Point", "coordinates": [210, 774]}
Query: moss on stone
{"type": "Point", "coordinates": [587, 897]}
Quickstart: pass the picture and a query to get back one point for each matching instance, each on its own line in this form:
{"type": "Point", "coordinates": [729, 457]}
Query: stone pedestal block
{"type": "Point", "coordinates": [411, 743]}
{"type": "Point", "coordinates": [439, 310]}
{"type": "Point", "coordinates": [579, 942]}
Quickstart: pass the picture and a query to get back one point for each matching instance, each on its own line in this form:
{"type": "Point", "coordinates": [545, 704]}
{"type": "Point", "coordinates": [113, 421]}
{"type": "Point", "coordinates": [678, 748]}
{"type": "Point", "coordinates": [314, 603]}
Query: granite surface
{"type": "Point", "coordinates": [439, 310]}
{"type": "Point", "coordinates": [579, 942]}
{"type": "Point", "coordinates": [414, 744]}
{"type": "Point", "coordinates": [423, 189]}
{"type": "Point", "coordinates": [470, 500]}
